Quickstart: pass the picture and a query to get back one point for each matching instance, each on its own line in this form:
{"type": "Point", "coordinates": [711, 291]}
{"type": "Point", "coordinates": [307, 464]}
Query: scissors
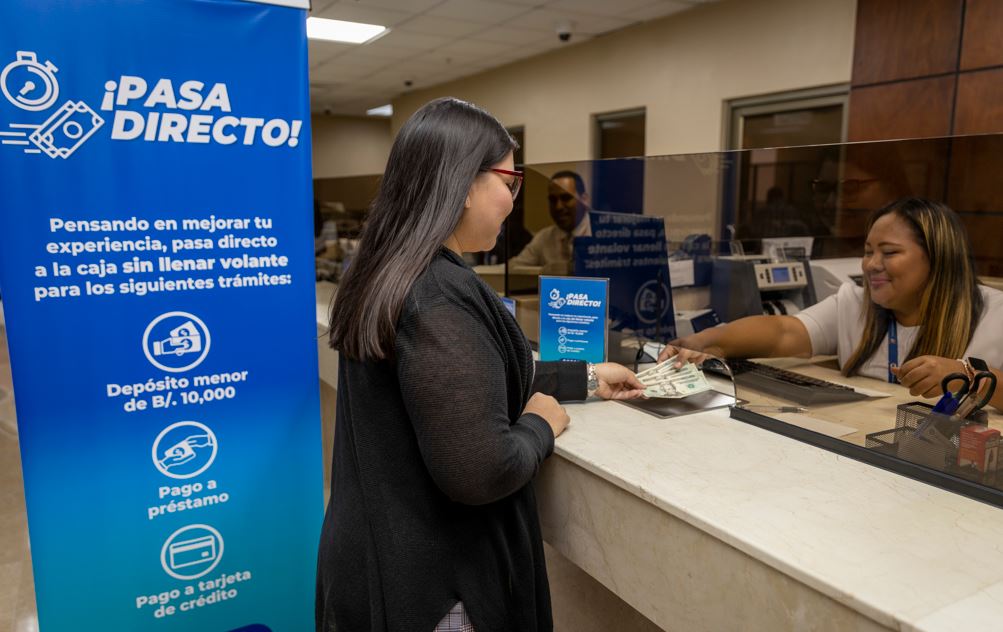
{"type": "Point", "coordinates": [972, 401]}
{"type": "Point", "coordinates": [950, 401]}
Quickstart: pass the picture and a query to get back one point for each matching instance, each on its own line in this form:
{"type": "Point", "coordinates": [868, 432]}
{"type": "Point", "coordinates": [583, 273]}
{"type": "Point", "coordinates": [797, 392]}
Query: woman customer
{"type": "Point", "coordinates": [920, 291]}
{"type": "Point", "coordinates": [443, 419]}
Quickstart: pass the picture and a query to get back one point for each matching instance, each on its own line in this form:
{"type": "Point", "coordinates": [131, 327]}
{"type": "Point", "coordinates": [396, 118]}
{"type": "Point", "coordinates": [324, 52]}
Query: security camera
{"type": "Point", "coordinates": [564, 30]}
{"type": "Point", "coordinates": [408, 83]}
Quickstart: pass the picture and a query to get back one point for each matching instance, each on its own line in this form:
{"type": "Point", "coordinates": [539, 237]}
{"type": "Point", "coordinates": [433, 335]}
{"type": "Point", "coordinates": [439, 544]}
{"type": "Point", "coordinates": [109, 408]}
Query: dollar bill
{"type": "Point", "coordinates": [667, 381]}
{"type": "Point", "coordinates": [677, 388]}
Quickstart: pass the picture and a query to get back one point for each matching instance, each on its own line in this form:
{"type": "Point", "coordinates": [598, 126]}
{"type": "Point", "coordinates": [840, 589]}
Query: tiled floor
{"type": "Point", "coordinates": [17, 591]}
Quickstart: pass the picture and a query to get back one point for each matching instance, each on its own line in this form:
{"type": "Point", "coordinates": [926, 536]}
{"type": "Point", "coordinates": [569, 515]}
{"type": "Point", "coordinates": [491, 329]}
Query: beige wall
{"type": "Point", "coordinates": [349, 146]}
{"type": "Point", "coordinates": [681, 68]}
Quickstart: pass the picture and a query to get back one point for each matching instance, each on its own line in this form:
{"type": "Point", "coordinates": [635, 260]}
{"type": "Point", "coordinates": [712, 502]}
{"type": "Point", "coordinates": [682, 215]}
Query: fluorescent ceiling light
{"type": "Point", "coordinates": [383, 110]}
{"type": "Point", "coordinates": [341, 31]}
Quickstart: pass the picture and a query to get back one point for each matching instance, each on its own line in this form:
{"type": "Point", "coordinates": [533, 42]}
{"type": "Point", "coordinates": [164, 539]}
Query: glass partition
{"type": "Point", "coordinates": [703, 239]}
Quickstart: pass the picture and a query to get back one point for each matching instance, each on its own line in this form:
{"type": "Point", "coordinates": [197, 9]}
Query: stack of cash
{"type": "Point", "coordinates": [665, 380]}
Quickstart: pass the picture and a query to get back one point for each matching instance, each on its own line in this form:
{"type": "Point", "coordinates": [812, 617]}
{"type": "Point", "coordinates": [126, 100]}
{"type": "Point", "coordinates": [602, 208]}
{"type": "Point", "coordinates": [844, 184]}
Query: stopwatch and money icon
{"type": "Point", "coordinates": [32, 86]}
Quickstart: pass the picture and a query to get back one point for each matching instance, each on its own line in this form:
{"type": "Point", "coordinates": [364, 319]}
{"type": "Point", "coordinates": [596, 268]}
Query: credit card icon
{"type": "Point", "coordinates": [183, 553]}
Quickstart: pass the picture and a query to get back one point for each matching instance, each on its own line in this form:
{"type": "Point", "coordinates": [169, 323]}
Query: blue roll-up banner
{"type": "Point", "coordinates": [573, 318]}
{"type": "Point", "coordinates": [158, 286]}
{"type": "Point", "coordinates": [630, 251]}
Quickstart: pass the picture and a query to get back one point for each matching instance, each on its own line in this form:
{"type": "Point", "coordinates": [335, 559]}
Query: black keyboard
{"type": "Point", "coordinates": [790, 385]}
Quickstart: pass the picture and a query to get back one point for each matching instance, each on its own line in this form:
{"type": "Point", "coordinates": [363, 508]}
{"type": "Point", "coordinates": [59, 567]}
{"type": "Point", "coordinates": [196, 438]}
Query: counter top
{"type": "Point", "coordinates": [903, 553]}
{"type": "Point", "coordinates": [907, 555]}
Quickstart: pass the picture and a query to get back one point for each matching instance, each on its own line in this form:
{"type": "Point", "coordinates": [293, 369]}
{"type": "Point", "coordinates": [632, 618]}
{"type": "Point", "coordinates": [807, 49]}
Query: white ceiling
{"type": "Point", "coordinates": [434, 41]}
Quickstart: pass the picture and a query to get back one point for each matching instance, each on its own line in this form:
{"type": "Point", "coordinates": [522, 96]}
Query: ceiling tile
{"type": "Point", "coordinates": [376, 50]}
{"type": "Point", "coordinates": [477, 11]}
{"type": "Point", "coordinates": [387, 78]}
{"type": "Point", "coordinates": [469, 49]}
{"type": "Point", "coordinates": [658, 10]}
{"type": "Point", "coordinates": [319, 92]}
{"type": "Point", "coordinates": [352, 12]}
{"type": "Point", "coordinates": [515, 37]}
{"type": "Point", "coordinates": [431, 42]}
{"type": "Point", "coordinates": [406, 6]}
{"type": "Point", "coordinates": [320, 51]}
{"type": "Point", "coordinates": [441, 26]}
{"type": "Point", "coordinates": [524, 52]}
{"type": "Point", "coordinates": [338, 70]}
{"type": "Point", "coordinates": [598, 7]}
{"type": "Point", "coordinates": [547, 20]}
{"type": "Point", "coordinates": [427, 63]}
{"type": "Point", "coordinates": [414, 41]}
{"type": "Point", "coordinates": [316, 6]}
{"type": "Point", "coordinates": [524, 3]}
{"type": "Point", "coordinates": [439, 60]}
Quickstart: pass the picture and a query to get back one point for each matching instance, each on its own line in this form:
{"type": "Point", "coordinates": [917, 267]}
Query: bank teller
{"type": "Point", "coordinates": [919, 315]}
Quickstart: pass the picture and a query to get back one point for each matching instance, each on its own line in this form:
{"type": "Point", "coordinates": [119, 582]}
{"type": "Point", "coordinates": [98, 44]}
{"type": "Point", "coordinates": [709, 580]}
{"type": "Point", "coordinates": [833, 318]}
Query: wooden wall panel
{"type": "Point", "coordinates": [984, 232]}
{"type": "Point", "coordinates": [908, 109]}
{"type": "Point", "coordinates": [914, 52]}
{"type": "Point", "coordinates": [979, 105]}
{"type": "Point", "coordinates": [974, 182]}
{"type": "Point", "coordinates": [982, 44]}
{"type": "Point", "coordinates": [902, 39]}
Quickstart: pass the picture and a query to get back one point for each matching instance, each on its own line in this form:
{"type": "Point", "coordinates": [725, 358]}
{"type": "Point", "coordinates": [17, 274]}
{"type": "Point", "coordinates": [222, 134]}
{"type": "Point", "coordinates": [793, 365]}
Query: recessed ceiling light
{"type": "Point", "coordinates": [383, 110]}
{"type": "Point", "coordinates": [341, 31]}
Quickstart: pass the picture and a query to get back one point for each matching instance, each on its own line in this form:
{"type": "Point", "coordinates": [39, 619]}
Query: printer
{"type": "Point", "coordinates": [828, 274]}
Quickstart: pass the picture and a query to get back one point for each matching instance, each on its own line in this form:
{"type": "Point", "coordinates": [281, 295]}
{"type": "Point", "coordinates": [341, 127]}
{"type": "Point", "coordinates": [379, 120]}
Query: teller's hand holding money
{"type": "Point", "coordinates": [681, 353]}
{"type": "Point", "coordinates": [673, 378]}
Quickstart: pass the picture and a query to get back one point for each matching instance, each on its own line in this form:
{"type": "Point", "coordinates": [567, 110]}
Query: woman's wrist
{"type": "Point", "coordinates": [592, 379]}
{"type": "Point", "coordinates": [966, 368]}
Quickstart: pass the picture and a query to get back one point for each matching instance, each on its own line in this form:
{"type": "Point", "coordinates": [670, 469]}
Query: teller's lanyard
{"type": "Point", "coordinates": [893, 350]}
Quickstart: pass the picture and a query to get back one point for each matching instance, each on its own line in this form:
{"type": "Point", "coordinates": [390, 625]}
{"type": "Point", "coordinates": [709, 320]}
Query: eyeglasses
{"type": "Point", "coordinates": [516, 183]}
{"type": "Point", "coordinates": [845, 187]}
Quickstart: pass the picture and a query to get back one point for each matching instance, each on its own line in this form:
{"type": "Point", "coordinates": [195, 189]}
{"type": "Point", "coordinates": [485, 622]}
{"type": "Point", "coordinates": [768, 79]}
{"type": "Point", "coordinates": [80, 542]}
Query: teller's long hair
{"type": "Point", "coordinates": [952, 302]}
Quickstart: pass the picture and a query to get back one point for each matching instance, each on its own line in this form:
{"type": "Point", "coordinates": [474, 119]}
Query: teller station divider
{"type": "Point", "coordinates": [766, 232]}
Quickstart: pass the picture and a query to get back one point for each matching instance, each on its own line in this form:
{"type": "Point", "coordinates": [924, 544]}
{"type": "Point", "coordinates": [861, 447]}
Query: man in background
{"type": "Point", "coordinates": [551, 247]}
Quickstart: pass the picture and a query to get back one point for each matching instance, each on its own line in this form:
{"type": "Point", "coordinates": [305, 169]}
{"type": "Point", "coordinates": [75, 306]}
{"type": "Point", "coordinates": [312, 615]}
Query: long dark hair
{"type": "Point", "coordinates": [952, 301]}
{"type": "Point", "coordinates": [432, 164]}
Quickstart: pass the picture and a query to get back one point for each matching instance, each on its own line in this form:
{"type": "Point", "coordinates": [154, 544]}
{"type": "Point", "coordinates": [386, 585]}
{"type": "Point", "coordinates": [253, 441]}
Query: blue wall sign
{"type": "Point", "coordinates": [630, 251]}
{"type": "Point", "coordinates": [573, 319]}
{"type": "Point", "coordinates": [158, 285]}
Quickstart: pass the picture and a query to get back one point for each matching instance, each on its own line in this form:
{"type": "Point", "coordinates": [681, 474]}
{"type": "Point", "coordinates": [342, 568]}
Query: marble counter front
{"type": "Point", "coordinates": [704, 522]}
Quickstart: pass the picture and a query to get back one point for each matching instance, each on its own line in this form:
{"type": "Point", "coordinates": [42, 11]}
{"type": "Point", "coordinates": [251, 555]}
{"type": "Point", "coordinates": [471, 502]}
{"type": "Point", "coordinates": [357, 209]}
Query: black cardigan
{"type": "Point", "coordinates": [431, 491]}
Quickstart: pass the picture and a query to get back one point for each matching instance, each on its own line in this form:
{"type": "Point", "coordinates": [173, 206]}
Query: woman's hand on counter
{"type": "Point", "coordinates": [552, 412]}
{"type": "Point", "coordinates": [617, 382]}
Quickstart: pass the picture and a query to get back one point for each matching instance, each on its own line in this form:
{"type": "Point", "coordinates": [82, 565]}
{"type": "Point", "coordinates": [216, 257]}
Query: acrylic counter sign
{"type": "Point", "coordinates": [159, 302]}
{"type": "Point", "coordinates": [573, 318]}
